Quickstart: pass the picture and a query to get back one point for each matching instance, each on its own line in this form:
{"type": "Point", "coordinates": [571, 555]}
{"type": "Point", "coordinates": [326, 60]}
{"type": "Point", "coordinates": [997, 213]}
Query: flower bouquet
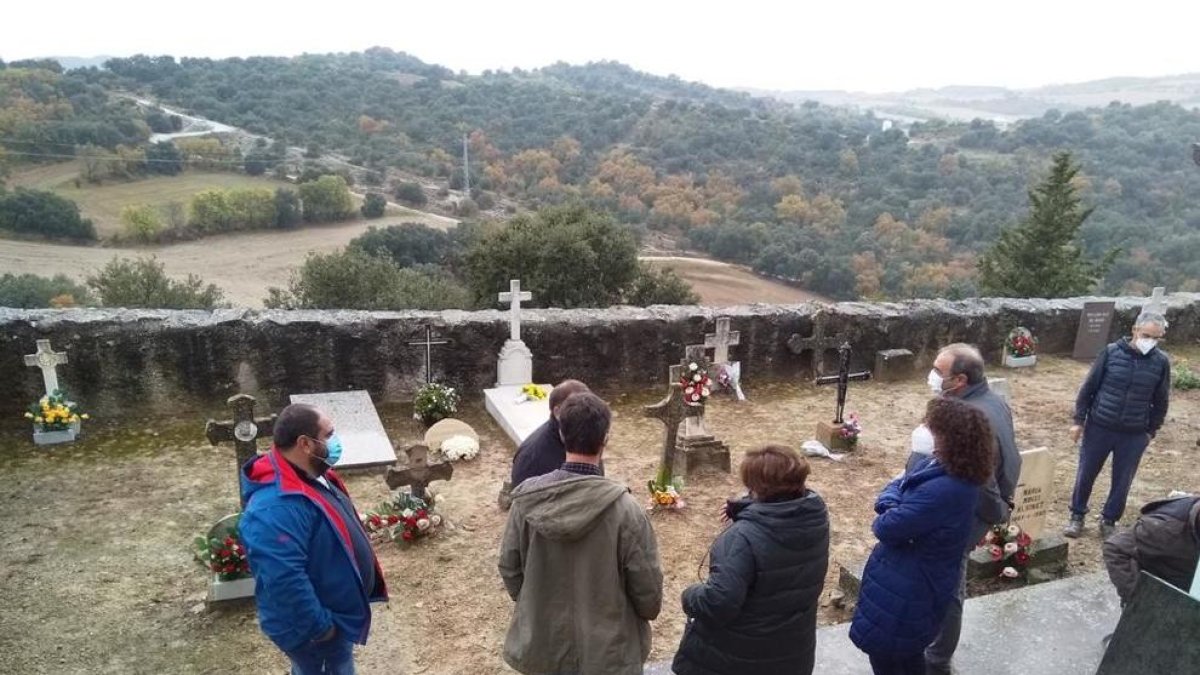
{"type": "Point", "coordinates": [850, 431]}
{"type": "Point", "coordinates": [404, 519]}
{"type": "Point", "coordinates": [696, 385]}
{"type": "Point", "coordinates": [55, 419]}
{"type": "Point", "coordinates": [460, 447]}
{"type": "Point", "coordinates": [1020, 348]}
{"type": "Point", "coordinates": [666, 495]}
{"type": "Point", "coordinates": [225, 557]}
{"type": "Point", "coordinates": [433, 403]}
{"type": "Point", "coordinates": [1009, 546]}
{"type": "Point", "coordinates": [532, 392]}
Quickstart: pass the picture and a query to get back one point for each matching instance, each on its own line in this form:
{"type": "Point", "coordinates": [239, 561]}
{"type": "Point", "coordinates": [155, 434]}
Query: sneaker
{"type": "Point", "coordinates": [1107, 528]}
{"type": "Point", "coordinates": [1073, 528]}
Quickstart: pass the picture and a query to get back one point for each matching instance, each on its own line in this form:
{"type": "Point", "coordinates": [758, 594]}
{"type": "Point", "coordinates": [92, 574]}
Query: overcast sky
{"type": "Point", "coordinates": [830, 44]}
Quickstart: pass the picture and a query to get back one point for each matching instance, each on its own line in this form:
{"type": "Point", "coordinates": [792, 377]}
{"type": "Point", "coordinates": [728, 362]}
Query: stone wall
{"type": "Point", "coordinates": [162, 360]}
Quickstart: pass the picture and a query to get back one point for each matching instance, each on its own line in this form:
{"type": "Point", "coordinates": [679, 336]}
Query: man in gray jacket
{"type": "Point", "coordinates": [580, 560]}
{"type": "Point", "coordinates": [958, 372]}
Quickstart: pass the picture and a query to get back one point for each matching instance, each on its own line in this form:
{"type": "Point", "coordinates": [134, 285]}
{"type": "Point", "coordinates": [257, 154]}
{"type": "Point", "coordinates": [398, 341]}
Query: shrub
{"type": "Point", "coordinates": [43, 213]}
{"type": "Point", "coordinates": [142, 283]}
{"type": "Point", "coordinates": [433, 403]}
{"type": "Point", "coordinates": [407, 244]}
{"type": "Point", "coordinates": [654, 286]}
{"type": "Point", "coordinates": [374, 205]}
{"type": "Point", "coordinates": [353, 279]}
{"type": "Point", "coordinates": [1184, 378]}
{"type": "Point", "coordinates": [141, 222]}
{"type": "Point", "coordinates": [30, 291]}
{"type": "Point", "coordinates": [411, 194]}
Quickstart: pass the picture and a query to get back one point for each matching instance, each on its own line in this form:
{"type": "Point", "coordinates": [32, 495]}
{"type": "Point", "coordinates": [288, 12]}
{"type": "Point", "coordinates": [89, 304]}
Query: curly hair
{"type": "Point", "coordinates": [963, 439]}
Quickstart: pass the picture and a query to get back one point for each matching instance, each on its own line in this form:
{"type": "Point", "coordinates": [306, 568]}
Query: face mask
{"type": "Point", "coordinates": [333, 451]}
{"type": "Point", "coordinates": [935, 382]}
{"type": "Point", "coordinates": [1144, 345]}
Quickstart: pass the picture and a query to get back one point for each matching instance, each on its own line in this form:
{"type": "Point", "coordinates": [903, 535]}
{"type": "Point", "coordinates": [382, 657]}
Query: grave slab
{"type": "Point", "coordinates": [894, 365]}
{"type": "Point", "coordinates": [1049, 628]}
{"type": "Point", "coordinates": [1157, 632]}
{"type": "Point", "coordinates": [365, 443]}
{"type": "Point", "coordinates": [518, 420]}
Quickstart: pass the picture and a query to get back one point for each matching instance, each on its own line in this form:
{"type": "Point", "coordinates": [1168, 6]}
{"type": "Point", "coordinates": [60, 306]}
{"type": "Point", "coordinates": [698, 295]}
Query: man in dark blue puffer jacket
{"type": "Point", "coordinates": [1120, 408]}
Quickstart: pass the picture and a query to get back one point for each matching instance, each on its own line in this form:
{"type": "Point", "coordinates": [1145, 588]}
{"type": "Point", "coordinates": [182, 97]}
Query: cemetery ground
{"type": "Point", "coordinates": [97, 573]}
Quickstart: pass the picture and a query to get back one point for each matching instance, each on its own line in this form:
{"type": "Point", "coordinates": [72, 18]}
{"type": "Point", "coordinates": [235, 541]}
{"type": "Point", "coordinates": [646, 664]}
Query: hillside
{"type": "Point", "coordinates": [814, 193]}
{"type": "Point", "coordinates": [1005, 106]}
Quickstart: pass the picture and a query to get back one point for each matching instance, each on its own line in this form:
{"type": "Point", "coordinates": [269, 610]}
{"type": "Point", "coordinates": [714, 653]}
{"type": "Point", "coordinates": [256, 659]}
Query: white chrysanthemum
{"type": "Point", "coordinates": [460, 447]}
{"type": "Point", "coordinates": [1011, 572]}
{"type": "Point", "coordinates": [1011, 547]}
{"type": "Point", "coordinates": [696, 377]}
{"type": "Point", "coordinates": [1013, 530]}
{"type": "Point", "coordinates": [423, 524]}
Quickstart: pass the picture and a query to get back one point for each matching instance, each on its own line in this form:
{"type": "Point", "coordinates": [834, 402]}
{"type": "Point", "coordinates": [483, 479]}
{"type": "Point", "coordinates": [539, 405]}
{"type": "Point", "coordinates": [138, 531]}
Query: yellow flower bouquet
{"type": "Point", "coordinates": [54, 412]}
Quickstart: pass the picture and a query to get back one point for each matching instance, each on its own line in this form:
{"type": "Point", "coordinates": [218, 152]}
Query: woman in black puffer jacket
{"type": "Point", "coordinates": [757, 613]}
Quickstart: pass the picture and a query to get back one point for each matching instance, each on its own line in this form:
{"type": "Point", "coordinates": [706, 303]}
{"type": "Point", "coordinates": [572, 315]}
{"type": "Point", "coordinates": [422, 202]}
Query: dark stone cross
{"type": "Point", "coordinates": [843, 380]}
{"type": "Point", "coordinates": [672, 411]}
{"type": "Point", "coordinates": [243, 430]}
{"type": "Point", "coordinates": [429, 343]}
{"type": "Point", "coordinates": [419, 473]}
{"type": "Point", "coordinates": [816, 344]}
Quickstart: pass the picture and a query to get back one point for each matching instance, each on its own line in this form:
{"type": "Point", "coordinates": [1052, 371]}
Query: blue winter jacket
{"type": "Point", "coordinates": [302, 558]}
{"type": "Point", "coordinates": [1126, 391]}
{"type": "Point", "coordinates": [923, 527]}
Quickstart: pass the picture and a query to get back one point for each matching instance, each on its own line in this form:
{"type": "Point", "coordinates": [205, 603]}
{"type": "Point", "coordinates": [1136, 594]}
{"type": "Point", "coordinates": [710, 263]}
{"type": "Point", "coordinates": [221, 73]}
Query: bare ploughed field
{"type": "Point", "coordinates": [720, 284]}
{"type": "Point", "coordinates": [95, 561]}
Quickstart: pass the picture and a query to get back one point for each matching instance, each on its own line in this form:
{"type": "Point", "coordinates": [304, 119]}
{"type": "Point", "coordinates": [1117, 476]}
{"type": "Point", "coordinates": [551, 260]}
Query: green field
{"type": "Point", "coordinates": [103, 203]}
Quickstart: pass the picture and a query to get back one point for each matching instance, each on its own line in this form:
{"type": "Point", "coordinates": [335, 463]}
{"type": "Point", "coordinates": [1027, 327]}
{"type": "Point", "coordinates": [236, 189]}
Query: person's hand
{"type": "Point", "coordinates": [723, 512]}
{"type": "Point", "coordinates": [1076, 433]}
{"type": "Point", "coordinates": [327, 635]}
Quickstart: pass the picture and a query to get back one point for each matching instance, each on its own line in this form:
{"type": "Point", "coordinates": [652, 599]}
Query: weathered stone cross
{"type": "Point", "coordinates": [515, 297]}
{"type": "Point", "coordinates": [419, 473]}
{"type": "Point", "coordinates": [429, 343]}
{"type": "Point", "coordinates": [243, 431]}
{"type": "Point", "coordinates": [48, 360]}
{"type": "Point", "coordinates": [843, 380]}
{"type": "Point", "coordinates": [671, 411]}
{"type": "Point", "coordinates": [1157, 304]}
{"type": "Point", "coordinates": [817, 343]}
{"type": "Point", "coordinates": [722, 340]}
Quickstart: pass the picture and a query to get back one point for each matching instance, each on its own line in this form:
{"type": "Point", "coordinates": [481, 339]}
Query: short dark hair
{"type": "Point", "coordinates": [294, 421]}
{"type": "Point", "coordinates": [564, 389]}
{"type": "Point", "coordinates": [774, 472]}
{"type": "Point", "coordinates": [583, 420]}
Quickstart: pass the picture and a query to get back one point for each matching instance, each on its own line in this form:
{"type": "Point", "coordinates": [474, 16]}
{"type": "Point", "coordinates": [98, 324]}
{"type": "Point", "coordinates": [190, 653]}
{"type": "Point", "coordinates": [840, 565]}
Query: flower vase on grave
{"type": "Point", "coordinates": [55, 419]}
{"type": "Point", "coordinates": [1020, 349]}
{"type": "Point", "coordinates": [222, 553]}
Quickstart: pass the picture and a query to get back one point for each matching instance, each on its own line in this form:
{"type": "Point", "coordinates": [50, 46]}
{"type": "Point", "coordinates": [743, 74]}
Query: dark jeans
{"type": "Point", "coordinates": [333, 657]}
{"type": "Point", "coordinates": [1126, 450]}
{"type": "Point", "coordinates": [898, 664]}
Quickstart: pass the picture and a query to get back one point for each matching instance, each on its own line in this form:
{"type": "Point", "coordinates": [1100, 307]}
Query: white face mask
{"type": "Point", "coordinates": [935, 382]}
{"type": "Point", "coordinates": [1144, 345]}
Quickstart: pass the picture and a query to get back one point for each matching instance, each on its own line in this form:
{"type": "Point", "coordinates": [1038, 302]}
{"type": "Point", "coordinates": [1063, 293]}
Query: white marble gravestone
{"type": "Point", "coordinates": [515, 366]}
{"type": "Point", "coordinates": [48, 360]}
{"type": "Point", "coordinates": [517, 419]}
{"type": "Point", "coordinates": [364, 441]}
{"type": "Point", "coordinates": [1158, 301]}
{"type": "Point", "coordinates": [1035, 491]}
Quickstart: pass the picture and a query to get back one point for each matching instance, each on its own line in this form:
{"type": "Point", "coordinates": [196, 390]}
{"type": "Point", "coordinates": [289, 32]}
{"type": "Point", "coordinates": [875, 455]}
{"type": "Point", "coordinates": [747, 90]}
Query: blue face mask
{"type": "Point", "coordinates": [333, 450]}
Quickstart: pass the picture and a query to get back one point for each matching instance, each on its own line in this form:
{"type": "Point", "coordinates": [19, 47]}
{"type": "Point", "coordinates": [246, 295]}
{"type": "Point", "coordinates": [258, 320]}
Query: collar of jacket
{"type": "Point", "coordinates": [931, 470]}
{"type": "Point", "coordinates": [973, 390]}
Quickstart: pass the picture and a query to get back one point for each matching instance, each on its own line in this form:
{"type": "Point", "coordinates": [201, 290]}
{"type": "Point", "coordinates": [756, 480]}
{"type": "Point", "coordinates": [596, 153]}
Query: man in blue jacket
{"type": "Point", "coordinates": [1120, 408]}
{"type": "Point", "coordinates": [313, 565]}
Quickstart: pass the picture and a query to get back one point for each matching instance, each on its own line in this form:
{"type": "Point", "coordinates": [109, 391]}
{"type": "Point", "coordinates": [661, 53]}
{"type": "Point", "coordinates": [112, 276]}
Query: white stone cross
{"type": "Point", "coordinates": [47, 359]}
{"type": "Point", "coordinates": [514, 297]}
{"type": "Point", "coordinates": [722, 340]}
{"type": "Point", "coordinates": [1157, 304]}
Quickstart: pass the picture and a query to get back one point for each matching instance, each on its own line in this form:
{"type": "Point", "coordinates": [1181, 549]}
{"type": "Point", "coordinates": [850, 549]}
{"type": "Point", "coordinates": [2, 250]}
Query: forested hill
{"type": "Point", "coordinates": [810, 192]}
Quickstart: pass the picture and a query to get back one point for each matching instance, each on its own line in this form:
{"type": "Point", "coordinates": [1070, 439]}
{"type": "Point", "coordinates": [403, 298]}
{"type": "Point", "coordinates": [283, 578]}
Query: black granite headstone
{"type": "Point", "coordinates": [1094, 325]}
{"type": "Point", "coordinates": [1157, 632]}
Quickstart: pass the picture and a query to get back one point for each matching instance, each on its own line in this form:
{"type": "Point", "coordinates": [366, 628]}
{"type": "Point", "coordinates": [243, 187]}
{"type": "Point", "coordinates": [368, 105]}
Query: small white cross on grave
{"type": "Point", "coordinates": [1158, 301]}
{"type": "Point", "coordinates": [722, 340]}
{"type": "Point", "coordinates": [47, 359]}
{"type": "Point", "coordinates": [515, 297]}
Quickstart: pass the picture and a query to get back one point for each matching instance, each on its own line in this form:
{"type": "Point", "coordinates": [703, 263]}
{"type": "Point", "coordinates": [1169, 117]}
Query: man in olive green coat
{"type": "Point", "coordinates": [580, 559]}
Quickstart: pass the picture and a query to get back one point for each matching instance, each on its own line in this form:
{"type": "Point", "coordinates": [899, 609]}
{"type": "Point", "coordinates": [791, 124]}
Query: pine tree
{"type": "Point", "coordinates": [1042, 257]}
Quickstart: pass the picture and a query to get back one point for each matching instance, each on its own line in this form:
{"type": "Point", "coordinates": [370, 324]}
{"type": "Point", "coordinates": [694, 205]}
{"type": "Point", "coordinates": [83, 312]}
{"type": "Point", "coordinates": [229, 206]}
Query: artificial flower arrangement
{"type": "Point", "coordinates": [1009, 545]}
{"type": "Point", "coordinates": [1020, 348]}
{"type": "Point", "coordinates": [532, 392]}
{"type": "Point", "coordinates": [850, 430]}
{"type": "Point", "coordinates": [667, 495]}
{"type": "Point", "coordinates": [433, 403]}
{"type": "Point", "coordinates": [404, 519]}
{"type": "Point", "coordinates": [225, 557]}
{"type": "Point", "coordinates": [54, 412]}
{"type": "Point", "coordinates": [460, 447]}
{"type": "Point", "coordinates": [696, 385]}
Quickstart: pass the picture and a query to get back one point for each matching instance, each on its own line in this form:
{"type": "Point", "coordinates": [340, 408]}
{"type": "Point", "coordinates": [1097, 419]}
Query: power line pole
{"type": "Point", "coordinates": [466, 167]}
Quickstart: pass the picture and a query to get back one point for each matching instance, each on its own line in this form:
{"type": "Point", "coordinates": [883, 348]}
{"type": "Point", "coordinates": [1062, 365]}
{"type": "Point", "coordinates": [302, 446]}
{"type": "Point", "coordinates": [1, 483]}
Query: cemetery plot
{"type": "Point", "coordinates": [98, 573]}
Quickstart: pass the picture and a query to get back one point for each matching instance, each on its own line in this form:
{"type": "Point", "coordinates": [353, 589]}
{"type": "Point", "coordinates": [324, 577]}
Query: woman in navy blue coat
{"type": "Point", "coordinates": [923, 527]}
